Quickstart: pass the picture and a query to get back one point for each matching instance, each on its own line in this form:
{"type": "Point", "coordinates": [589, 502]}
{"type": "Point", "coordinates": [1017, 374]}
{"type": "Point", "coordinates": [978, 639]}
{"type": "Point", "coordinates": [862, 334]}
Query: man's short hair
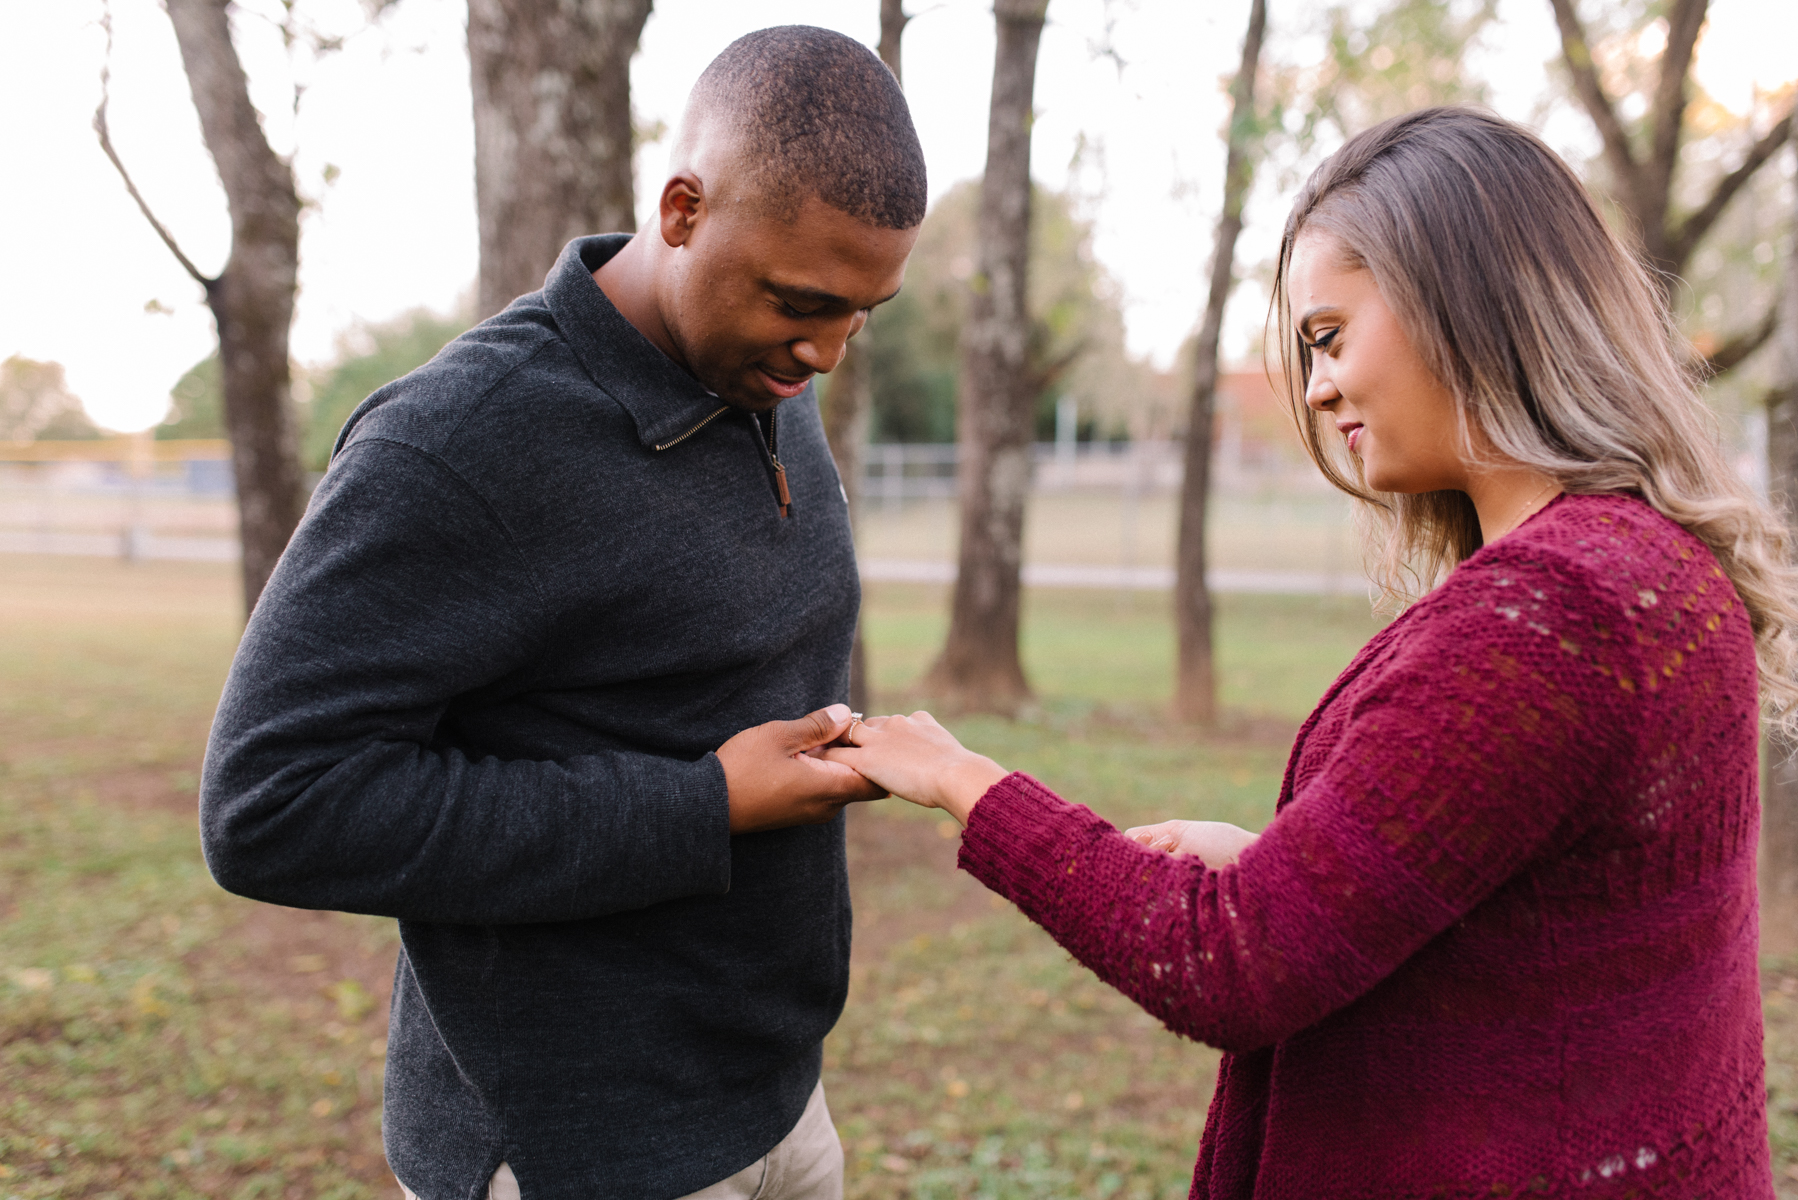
{"type": "Point", "coordinates": [816, 113]}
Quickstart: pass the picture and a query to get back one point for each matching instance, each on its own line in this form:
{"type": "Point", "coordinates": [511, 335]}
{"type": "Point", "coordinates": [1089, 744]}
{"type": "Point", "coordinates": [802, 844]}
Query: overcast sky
{"type": "Point", "coordinates": [396, 228]}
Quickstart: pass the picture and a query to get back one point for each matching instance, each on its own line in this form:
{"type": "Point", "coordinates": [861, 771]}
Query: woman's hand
{"type": "Point", "coordinates": [917, 759]}
{"type": "Point", "coordinates": [1216, 843]}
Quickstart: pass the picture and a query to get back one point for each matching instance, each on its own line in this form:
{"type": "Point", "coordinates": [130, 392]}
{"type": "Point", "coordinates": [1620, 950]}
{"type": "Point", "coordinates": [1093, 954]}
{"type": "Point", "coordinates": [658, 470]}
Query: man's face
{"type": "Point", "coordinates": [758, 305]}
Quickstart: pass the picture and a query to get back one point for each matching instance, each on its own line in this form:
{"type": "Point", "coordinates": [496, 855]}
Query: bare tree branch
{"type": "Point", "coordinates": [1576, 51]}
{"type": "Point", "coordinates": [1735, 351]}
{"type": "Point", "coordinates": [1692, 230]}
{"type": "Point", "coordinates": [100, 128]}
{"type": "Point", "coordinates": [893, 21]}
{"type": "Point", "coordinates": [1668, 110]}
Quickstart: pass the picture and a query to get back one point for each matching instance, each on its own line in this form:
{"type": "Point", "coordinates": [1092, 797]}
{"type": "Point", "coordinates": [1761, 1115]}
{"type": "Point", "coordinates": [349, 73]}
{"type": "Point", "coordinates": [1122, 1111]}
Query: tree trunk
{"type": "Point", "coordinates": [850, 400]}
{"type": "Point", "coordinates": [979, 667]}
{"type": "Point", "coordinates": [892, 30]}
{"type": "Point", "coordinates": [1195, 688]}
{"type": "Point", "coordinates": [846, 428]}
{"type": "Point", "coordinates": [1779, 805]}
{"type": "Point", "coordinates": [252, 299]}
{"type": "Point", "coordinates": [552, 132]}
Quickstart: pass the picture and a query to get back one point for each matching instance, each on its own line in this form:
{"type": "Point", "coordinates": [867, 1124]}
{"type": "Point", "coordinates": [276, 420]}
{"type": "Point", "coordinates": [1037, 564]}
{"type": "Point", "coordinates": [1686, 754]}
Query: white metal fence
{"type": "Point", "coordinates": [1102, 515]}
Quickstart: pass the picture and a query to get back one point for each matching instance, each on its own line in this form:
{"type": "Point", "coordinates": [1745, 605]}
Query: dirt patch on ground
{"type": "Point", "coordinates": [919, 855]}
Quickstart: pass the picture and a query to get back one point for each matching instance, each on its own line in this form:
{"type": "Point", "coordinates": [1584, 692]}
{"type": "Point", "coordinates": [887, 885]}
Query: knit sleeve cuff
{"type": "Point", "coordinates": [1022, 841]}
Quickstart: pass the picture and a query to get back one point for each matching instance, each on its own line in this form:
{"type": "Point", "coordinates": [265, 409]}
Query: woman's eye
{"type": "Point", "coordinates": [1324, 341]}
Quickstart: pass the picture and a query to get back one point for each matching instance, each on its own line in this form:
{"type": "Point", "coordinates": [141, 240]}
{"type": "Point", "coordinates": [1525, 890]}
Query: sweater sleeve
{"type": "Point", "coordinates": [327, 782]}
{"type": "Point", "coordinates": [1479, 746]}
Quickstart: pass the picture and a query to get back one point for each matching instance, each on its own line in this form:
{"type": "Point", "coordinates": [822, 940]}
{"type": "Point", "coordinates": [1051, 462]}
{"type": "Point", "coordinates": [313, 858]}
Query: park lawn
{"type": "Point", "coordinates": [161, 1038]}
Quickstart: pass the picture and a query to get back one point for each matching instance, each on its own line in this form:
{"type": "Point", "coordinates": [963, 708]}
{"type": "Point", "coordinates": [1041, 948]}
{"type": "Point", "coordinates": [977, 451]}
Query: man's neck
{"type": "Point", "coordinates": [628, 281]}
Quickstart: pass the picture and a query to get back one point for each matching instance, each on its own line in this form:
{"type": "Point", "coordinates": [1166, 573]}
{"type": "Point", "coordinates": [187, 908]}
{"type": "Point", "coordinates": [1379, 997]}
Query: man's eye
{"type": "Point", "coordinates": [790, 311]}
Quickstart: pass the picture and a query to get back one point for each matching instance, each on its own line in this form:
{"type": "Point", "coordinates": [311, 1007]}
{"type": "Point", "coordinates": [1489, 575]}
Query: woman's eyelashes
{"type": "Point", "coordinates": [1324, 341]}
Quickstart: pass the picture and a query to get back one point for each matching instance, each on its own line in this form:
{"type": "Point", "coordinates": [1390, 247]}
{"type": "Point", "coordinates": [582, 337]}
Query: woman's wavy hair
{"type": "Point", "coordinates": [1554, 339]}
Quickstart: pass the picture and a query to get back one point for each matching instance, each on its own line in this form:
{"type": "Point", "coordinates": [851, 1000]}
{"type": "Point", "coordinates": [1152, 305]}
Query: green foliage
{"type": "Point", "coordinates": [913, 371]}
{"type": "Point", "coordinates": [372, 356]}
{"type": "Point", "coordinates": [1077, 336]}
{"type": "Point", "coordinates": [35, 403]}
{"type": "Point", "coordinates": [1404, 55]}
{"type": "Point", "coordinates": [368, 357]}
{"type": "Point", "coordinates": [196, 403]}
{"type": "Point", "coordinates": [70, 425]}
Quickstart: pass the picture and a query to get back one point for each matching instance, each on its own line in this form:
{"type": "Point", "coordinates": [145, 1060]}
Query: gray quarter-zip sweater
{"type": "Point", "coordinates": [536, 588]}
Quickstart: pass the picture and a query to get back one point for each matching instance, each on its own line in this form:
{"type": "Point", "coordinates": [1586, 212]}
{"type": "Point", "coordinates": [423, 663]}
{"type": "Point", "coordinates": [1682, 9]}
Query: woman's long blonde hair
{"type": "Point", "coordinates": [1553, 338]}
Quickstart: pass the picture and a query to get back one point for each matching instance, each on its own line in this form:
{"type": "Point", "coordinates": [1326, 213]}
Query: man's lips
{"type": "Point", "coordinates": [786, 389]}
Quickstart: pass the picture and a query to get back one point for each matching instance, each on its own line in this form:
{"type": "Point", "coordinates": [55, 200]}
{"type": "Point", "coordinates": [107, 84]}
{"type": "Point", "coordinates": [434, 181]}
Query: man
{"type": "Point", "coordinates": [520, 679]}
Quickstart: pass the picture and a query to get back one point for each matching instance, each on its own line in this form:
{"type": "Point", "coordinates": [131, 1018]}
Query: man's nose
{"type": "Point", "coordinates": [823, 352]}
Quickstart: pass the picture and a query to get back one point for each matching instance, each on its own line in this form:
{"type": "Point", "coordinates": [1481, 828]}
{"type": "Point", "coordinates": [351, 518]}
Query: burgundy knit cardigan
{"type": "Point", "coordinates": [1500, 937]}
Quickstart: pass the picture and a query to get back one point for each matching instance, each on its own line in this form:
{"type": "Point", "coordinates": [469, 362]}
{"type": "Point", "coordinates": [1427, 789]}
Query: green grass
{"type": "Point", "coordinates": [152, 1041]}
{"type": "Point", "coordinates": [1091, 648]}
{"type": "Point", "coordinates": [976, 1058]}
{"type": "Point", "coordinates": [159, 1038]}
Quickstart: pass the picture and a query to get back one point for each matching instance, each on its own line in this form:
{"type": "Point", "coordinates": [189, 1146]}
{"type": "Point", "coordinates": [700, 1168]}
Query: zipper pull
{"type": "Point", "coordinates": [780, 487]}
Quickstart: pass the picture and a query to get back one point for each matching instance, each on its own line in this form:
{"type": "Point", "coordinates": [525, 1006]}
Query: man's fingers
{"type": "Point", "coordinates": [841, 778]}
{"type": "Point", "coordinates": [815, 729]}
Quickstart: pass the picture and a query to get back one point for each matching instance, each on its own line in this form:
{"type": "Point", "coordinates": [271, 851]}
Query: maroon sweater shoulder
{"type": "Point", "coordinates": [1514, 851]}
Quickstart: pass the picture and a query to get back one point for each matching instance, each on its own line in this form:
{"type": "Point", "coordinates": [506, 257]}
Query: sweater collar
{"type": "Point", "coordinates": [663, 400]}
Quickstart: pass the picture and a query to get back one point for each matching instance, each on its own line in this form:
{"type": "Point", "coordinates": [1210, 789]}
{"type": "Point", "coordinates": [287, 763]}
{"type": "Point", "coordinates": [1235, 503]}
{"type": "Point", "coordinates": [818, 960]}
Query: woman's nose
{"type": "Point", "coordinates": [1320, 392]}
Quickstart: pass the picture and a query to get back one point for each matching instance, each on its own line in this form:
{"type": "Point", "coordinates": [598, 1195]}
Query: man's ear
{"type": "Point", "coordinates": [683, 200]}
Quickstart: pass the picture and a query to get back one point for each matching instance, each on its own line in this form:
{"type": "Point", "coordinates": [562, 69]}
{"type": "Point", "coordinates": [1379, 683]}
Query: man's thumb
{"type": "Point", "coordinates": [816, 728]}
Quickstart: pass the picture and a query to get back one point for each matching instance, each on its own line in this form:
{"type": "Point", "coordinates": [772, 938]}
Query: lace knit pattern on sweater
{"type": "Point", "coordinates": [1500, 939]}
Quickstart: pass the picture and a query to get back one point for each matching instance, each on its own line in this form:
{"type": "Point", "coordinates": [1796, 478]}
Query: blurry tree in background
{"type": "Point", "coordinates": [847, 397]}
{"type": "Point", "coordinates": [1195, 679]}
{"type": "Point", "coordinates": [979, 667]}
{"type": "Point", "coordinates": [553, 139]}
{"type": "Point", "coordinates": [196, 404]}
{"type": "Point", "coordinates": [1641, 63]}
{"type": "Point", "coordinates": [36, 404]}
{"type": "Point", "coordinates": [1411, 55]}
{"type": "Point", "coordinates": [252, 298]}
{"type": "Point", "coordinates": [1688, 179]}
{"type": "Point", "coordinates": [1779, 803]}
{"type": "Point", "coordinates": [1076, 319]}
{"type": "Point", "coordinates": [369, 357]}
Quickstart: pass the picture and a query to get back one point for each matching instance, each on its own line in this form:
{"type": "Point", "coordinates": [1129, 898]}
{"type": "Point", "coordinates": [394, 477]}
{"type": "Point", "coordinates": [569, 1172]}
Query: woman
{"type": "Point", "coordinates": [1500, 937]}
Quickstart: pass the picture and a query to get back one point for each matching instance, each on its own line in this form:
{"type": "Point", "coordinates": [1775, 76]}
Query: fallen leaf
{"type": "Point", "coordinates": [34, 979]}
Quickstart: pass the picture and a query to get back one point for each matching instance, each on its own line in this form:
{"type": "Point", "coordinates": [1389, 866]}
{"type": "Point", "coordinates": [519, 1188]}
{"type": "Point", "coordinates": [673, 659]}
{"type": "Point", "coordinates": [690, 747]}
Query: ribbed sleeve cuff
{"type": "Point", "coordinates": [1022, 840]}
{"type": "Point", "coordinates": [688, 838]}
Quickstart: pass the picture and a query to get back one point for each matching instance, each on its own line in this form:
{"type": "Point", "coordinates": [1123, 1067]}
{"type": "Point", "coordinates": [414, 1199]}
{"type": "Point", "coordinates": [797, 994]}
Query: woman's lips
{"type": "Point", "coordinates": [785, 389]}
{"type": "Point", "coordinates": [1354, 435]}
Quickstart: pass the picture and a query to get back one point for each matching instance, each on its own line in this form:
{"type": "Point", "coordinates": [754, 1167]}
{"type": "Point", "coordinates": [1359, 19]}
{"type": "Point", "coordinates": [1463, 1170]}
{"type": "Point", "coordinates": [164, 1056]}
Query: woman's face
{"type": "Point", "coordinates": [1368, 378]}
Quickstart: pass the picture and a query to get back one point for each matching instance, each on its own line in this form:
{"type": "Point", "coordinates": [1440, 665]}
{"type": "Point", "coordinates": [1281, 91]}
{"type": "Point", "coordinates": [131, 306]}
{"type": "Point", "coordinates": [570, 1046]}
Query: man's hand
{"type": "Point", "coordinates": [775, 783]}
{"type": "Point", "coordinates": [918, 759]}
